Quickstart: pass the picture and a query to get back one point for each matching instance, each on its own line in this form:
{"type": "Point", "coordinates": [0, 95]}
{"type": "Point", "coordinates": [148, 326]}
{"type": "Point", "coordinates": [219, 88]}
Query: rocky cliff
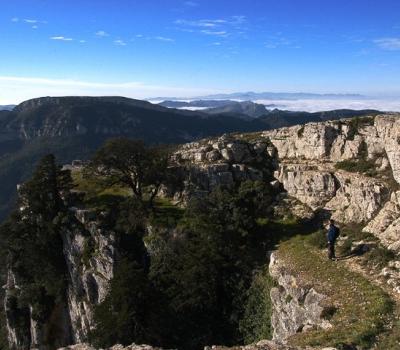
{"type": "Point", "coordinates": [297, 307]}
{"type": "Point", "coordinates": [349, 169]}
{"type": "Point", "coordinates": [90, 253]}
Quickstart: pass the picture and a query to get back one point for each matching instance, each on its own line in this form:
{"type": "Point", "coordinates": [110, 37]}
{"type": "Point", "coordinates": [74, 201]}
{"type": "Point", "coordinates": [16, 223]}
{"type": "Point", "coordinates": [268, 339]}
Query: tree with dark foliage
{"type": "Point", "coordinates": [33, 242]}
{"type": "Point", "coordinates": [130, 163]}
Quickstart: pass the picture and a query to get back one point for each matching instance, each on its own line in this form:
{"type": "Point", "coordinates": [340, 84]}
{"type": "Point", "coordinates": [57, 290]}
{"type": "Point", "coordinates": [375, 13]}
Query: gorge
{"type": "Point", "coordinates": [347, 169]}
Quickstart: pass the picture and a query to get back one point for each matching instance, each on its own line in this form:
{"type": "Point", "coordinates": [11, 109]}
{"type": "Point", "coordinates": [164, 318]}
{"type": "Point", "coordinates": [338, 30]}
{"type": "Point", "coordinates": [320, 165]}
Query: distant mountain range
{"type": "Point", "coordinates": [253, 96]}
{"type": "Point", "coordinates": [7, 108]}
{"type": "Point", "coordinates": [74, 127]}
{"type": "Point", "coordinates": [216, 107]}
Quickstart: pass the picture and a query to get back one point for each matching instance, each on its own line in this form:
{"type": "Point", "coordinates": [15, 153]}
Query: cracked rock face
{"type": "Point", "coordinates": [311, 187]}
{"type": "Point", "coordinates": [388, 128]}
{"type": "Point", "coordinates": [308, 155]}
{"type": "Point", "coordinates": [221, 162]}
{"type": "Point", "coordinates": [296, 307]}
{"type": "Point", "coordinates": [358, 198]}
{"type": "Point", "coordinates": [386, 225]}
{"type": "Point", "coordinates": [88, 279]}
{"type": "Point", "coordinates": [87, 286]}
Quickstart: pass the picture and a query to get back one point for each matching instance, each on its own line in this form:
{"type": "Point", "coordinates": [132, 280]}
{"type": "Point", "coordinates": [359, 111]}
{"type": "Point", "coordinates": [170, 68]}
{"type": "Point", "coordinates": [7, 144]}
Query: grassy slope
{"type": "Point", "coordinates": [363, 309]}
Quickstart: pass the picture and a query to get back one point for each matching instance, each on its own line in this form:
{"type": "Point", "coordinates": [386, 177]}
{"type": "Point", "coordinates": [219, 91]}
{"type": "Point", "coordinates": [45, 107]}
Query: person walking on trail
{"type": "Point", "coordinates": [333, 234]}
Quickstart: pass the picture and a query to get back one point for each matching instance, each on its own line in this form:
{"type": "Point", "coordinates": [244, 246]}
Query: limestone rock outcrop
{"type": "Point", "coordinates": [388, 128]}
{"type": "Point", "coordinates": [309, 157]}
{"type": "Point", "coordinates": [296, 307]}
{"type": "Point", "coordinates": [90, 268]}
{"type": "Point", "coordinates": [90, 254]}
{"type": "Point", "coordinates": [386, 225]}
{"type": "Point", "coordinates": [307, 184]}
{"type": "Point", "coordinates": [224, 161]}
{"type": "Point", "coordinates": [358, 198]}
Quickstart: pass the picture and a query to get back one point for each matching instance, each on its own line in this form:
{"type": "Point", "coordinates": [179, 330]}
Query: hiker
{"type": "Point", "coordinates": [333, 234]}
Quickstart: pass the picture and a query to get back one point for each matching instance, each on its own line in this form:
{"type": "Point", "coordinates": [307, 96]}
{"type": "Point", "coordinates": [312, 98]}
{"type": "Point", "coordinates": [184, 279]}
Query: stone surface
{"type": "Point", "coordinates": [358, 198]}
{"type": "Point", "coordinates": [295, 307]}
{"type": "Point", "coordinates": [88, 279]}
{"type": "Point", "coordinates": [308, 155]}
{"type": "Point", "coordinates": [310, 186]}
{"type": "Point", "coordinates": [87, 286]}
{"type": "Point", "coordinates": [224, 161]}
{"type": "Point", "coordinates": [388, 128]}
{"type": "Point", "coordinates": [386, 225]}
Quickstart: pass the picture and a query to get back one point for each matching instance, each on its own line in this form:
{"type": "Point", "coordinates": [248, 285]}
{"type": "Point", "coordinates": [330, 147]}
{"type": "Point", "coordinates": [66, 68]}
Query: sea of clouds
{"type": "Point", "coordinates": [317, 105]}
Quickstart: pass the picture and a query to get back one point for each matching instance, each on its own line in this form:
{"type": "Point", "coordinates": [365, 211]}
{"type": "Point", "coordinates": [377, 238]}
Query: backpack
{"type": "Point", "coordinates": [337, 232]}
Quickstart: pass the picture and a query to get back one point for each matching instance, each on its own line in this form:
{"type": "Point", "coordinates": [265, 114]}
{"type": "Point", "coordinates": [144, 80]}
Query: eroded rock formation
{"type": "Point", "coordinates": [312, 168]}
{"type": "Point", "coordinates": [89, 273]}
{"type": "Point", "coordinates": [297, 307]}
{"type": "Point", "coordinates": [305, 160]}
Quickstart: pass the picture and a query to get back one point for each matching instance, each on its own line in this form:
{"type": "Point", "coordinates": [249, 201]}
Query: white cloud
{"type": "Point", "coordinates": [15, 19]}
{"type": "Point", "coordinates": [222, 27]}
{"type": "Point", "coordinates": [391, 44]}
{"type": "Point", "coordinates": [191, 3]}
{"type": "Point", "coordinates": [61, 38]}
{"type": "Point", "coordinates": [162, 38]}
{"type": "Point", "coordinates": [18, 89]}
{"type": "Point", "coordinates": [277, 41]}
{"type": "Point", "coordinates": [317, 105]}
{"type": "Point", "coordinates": [82, 41]}
{"type": "Point", "coordinates": [205, 23]}
{"type": "Point", "coordinates": [222, 33]}
{"type": "Point", "coordinates": [102, 34]}
{"type": "Point", "coordinates": [35, 27]}
{"type": "Point", "coordinates": [119, 42]}
{"type": "Point", "coordinates": [34, 21]}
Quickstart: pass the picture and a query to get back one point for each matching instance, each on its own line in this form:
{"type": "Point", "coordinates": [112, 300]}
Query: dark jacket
{"type": "Point", "coordinates": [333, 233]}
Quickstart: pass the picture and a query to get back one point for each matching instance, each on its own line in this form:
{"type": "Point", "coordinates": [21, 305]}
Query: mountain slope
{"type": "Point", "coordinates": [7, 107]}
{"type": "Point", "coordinates": [73, 127]}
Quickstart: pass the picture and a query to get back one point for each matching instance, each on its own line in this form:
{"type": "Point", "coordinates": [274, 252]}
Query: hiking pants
{"type": "Point", "coordinates": [331, 250]}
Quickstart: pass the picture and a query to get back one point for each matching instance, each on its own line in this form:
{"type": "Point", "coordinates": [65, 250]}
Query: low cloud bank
{"type": "Point", "coordinates": [384, 104]}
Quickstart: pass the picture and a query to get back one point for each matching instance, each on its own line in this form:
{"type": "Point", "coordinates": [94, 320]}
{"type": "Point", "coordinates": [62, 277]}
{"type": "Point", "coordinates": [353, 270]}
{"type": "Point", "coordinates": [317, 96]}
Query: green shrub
{"type": "Point", "coordinates": [346, 248]}
{"type": "Point", "coordinates": [379, 256]}
{"type": "Point", "coordinates": [125, 314]}
{"type": "Point", "coordinates": [317, 239]}
{"type": "Point", "coordinates": [256, 322]}
{"type": "Point", "coordinates": [363, 166]}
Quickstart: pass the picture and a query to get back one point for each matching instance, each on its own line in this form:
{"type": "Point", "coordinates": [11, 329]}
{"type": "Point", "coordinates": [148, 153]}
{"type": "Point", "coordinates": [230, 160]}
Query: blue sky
{"type": "Point", "coordinates": [148, 48]}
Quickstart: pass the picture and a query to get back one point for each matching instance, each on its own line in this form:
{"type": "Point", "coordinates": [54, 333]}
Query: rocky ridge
{"type": "Point", "coordinates": [306, 160]}
{"type": "Point", "coordinates": [312, 166]}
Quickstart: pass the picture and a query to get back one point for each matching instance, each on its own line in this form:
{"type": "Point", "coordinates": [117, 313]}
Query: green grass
{"type": "Point", "coordinates": [166, 213]}
{"type": "Point", "coordinates": [97, 193]}
{"type": "Point", "coordinates": [362, 309]}
{"type": "Point", "coordinates": [377, 257]}
{"type": "Point", "coordinates": [362, 166]}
